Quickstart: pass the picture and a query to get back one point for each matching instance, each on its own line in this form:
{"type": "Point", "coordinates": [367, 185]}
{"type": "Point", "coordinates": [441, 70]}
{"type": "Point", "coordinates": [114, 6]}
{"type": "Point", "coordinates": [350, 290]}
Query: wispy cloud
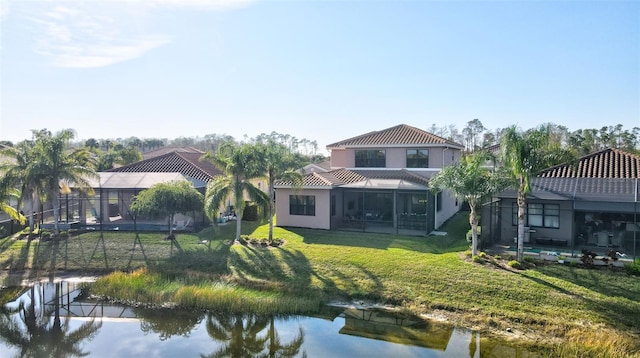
{"type": "Point", "coordinates": [96, 34]}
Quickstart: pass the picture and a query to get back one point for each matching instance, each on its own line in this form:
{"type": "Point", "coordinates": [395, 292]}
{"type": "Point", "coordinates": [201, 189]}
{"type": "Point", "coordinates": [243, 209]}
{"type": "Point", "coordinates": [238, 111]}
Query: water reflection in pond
{"type": "Point", "coordinates": [50, 320]}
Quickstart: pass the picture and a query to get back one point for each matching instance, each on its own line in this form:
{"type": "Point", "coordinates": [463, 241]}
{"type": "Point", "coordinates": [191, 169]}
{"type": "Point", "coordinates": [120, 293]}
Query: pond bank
{"type": "Point", "coordinates": [29, 277]}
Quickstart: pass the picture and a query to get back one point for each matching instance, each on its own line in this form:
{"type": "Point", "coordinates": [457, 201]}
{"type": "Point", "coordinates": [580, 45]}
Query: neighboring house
{"type": "Point", "coordinates": [166, 150]}
{"type": "Point", "coordinates": [115, 188]}
{"type": "Point", "coordinates": [378, 182]}
{"type": "Point", "coordinates": [186, 161]}
{"type": "Point", "coordinates": [320, 167]}
{"type": "Point", "coordinates": [114, 192]}
{"type": "Point", "coordinates": [592, 205]}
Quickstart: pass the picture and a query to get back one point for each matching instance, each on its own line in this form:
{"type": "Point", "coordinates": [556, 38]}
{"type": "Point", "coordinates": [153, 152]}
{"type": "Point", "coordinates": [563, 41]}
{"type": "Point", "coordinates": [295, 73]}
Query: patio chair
{"type": "Point", "coordinates": [182, 224]}
{"type": "Point", "coordinates": [616, 240]}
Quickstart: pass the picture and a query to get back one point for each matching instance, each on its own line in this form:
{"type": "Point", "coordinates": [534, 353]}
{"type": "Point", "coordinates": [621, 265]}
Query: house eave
{"type": "Point", "coordinates": [305, 187]}
{"type": "Point", "coordinates": [402, 145]}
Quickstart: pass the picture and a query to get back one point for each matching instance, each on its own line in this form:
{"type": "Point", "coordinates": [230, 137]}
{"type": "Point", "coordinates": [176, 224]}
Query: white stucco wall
{"type": "Point", "coordinates": [449, 208]}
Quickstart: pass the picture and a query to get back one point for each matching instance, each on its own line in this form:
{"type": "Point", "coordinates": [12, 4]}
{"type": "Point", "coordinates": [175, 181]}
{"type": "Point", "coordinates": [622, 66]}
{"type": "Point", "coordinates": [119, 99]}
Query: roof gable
{"type": "Point", "coordinates": [609, 163]}
{"type": "Point", "coordinates": [399, 135]}
{"type": "Point", "coordinates": [187, 163]}
{"type": "Point", "coordinates": [165, 150]}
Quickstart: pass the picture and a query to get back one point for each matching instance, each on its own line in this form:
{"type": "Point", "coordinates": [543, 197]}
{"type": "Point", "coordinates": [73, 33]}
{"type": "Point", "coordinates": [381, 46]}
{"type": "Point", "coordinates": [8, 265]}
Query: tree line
{"type": "Point", "coordinates": [476, 136]}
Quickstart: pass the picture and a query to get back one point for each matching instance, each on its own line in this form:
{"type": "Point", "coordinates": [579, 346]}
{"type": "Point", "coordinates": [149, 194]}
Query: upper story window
{"type": "Point", "coordinates": [370, 158]}
{"type": "Point", "coordinates": [417, 158]}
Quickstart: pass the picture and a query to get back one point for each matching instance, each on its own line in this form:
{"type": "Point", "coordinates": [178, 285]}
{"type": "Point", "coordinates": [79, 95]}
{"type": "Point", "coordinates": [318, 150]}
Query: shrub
{"type": "Point", "coordinates": [469, 235]}
{"type": "Point", "coordinates": [515, 264]}
{"type": "Point", "coordinates": [250, 212]}
{"type": "Point", "coordinates": [477, 259]}
{"type": "Point", "coordinates": [497, 257]}
{"type": "Point", "coordinates": [482, 254]}
{"type": "Point", "coordinates": [467, 253]}
{"type": "Point", "coordinates": [633, 268]}
{"type": "Point", "coordinates": [528, 259]}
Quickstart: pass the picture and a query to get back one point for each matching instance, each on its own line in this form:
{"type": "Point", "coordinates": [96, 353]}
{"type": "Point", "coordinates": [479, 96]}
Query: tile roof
{"type": "Point", "coordinates": [399, 135]}
{"type": "Point", "coordinates": [165, 150]}
{"type": "Point", "coordinates": [186, 163]}
{"type": "Point", "coordinates": [323, 166]}
{"type": "Point", "coordinates": [581, 189]}
{"type": "Point", "coordinates": [608, 163]}
{"type": "Point", "coordinates": [343, 176]}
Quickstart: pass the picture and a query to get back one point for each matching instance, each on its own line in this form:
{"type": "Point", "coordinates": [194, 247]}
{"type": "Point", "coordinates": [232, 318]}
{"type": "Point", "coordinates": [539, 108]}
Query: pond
{"type": "Point", "coordinates": [54, 320]}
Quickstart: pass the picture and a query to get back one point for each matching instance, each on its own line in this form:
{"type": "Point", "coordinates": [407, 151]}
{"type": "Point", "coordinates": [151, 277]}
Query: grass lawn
{"type": "Point", "coordinates": [589, 310]}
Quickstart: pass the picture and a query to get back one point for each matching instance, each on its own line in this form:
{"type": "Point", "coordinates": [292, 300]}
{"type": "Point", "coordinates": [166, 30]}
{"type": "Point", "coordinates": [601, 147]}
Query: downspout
{"type": "Point", "coordinates": [395, 210]}
{"type": "Point", "coordinates": [635, 219]}
{"type": "Point", "coordinates": [100, 206]}
{"type": "Point", "coordinates": [444, 150]}
{"type": "Point", "coordinates": [364, 216]}
{"type": "Point", "coordinates": [435, 210]}
{"type": "Point", "coordinates": [573, 210]}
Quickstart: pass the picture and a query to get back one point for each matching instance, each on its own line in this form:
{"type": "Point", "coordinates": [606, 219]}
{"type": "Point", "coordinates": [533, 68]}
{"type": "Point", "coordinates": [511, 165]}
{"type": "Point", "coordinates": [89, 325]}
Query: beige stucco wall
{"type": "Point", "coordinates": [396, 157]}
{"type": "Point", "coordinates": [320, 221]}
{"type": "Point", "coordinates": [338, 158]}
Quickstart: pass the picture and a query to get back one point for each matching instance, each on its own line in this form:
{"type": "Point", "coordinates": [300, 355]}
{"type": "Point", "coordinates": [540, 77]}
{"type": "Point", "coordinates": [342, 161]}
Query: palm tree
{"type": "Point", "coordinates": [278, 349]}
{"type": "Point", "coordinates": [278, 163]}
{"type": "Point", "coordinates": [38, 329]}
{"type": "Point", "coordinates": [471, 181]}
{"type": "Point", "coordinates": [8, 192]}
{"type": "Point", "coordinates": [524, 155]}
{"type": "Point", "coordinates": [19, 172]}
{"type": "Point", "coordinates": [239, 332]}
{"type": "Point", "coordinates": [91, 143]}
{"type": "Point", "coordinates": [239, 164]}
{"type": "Point", "coordinates": [58, 165]}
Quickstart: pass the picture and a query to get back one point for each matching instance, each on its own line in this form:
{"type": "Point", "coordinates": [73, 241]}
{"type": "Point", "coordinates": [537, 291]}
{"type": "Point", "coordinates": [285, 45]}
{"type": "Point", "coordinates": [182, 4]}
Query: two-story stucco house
{"type": "Point", "coordinates": [378, 182]}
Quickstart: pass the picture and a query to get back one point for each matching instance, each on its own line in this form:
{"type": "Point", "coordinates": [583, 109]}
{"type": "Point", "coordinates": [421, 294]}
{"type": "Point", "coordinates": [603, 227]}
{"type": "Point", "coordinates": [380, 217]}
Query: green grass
{"type": "Point", "coordinates": [587, 310]}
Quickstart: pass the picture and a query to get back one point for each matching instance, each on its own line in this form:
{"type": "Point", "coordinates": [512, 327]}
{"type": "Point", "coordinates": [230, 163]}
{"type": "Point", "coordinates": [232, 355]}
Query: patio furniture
{"type": "Point", "coordinates": [617, 238]}
{"type": "Point", "coordinates": [182, 224]}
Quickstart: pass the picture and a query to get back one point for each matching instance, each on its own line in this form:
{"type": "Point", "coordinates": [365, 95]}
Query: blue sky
{"type": "Point", "coordinates": [321, 70]}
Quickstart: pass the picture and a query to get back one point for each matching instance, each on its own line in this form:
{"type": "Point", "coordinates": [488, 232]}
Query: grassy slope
{"type": "Point", "coordinates": [418, 273]}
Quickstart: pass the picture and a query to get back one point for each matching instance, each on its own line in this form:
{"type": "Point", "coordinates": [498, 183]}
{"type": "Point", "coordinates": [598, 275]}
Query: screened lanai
{"type": "Point", "coordinates": [108, 207]}
{"type": "Point", "coordinates": [598, 214]}
{"type": "Point", "coordinates": [386, 205]}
